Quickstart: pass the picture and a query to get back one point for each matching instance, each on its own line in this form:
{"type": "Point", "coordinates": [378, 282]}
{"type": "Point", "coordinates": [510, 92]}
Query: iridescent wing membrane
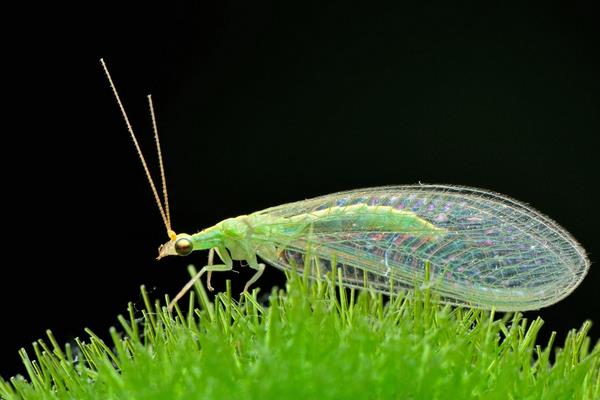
{"type": "Point", "coordinates": [483, 249]}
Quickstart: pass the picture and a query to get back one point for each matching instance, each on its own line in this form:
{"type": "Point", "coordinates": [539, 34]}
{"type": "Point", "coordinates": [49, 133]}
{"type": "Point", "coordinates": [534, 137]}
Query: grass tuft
{"type": "Point", "coordinates": [313, 340]}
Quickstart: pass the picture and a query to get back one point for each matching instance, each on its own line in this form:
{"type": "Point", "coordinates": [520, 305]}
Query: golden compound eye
{"type": "Point", "coordinates": [183, 246]}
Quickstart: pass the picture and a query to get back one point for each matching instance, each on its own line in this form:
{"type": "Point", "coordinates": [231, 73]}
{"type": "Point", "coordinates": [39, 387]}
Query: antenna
{"type": "Point", "coordinates": [160, 161]}
{"type": "Point", "coordinates": [165, 215]}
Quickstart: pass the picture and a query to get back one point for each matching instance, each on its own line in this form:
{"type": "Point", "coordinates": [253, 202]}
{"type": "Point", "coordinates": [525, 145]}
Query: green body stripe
{"type": "Point", "coordinates": [354, 218]}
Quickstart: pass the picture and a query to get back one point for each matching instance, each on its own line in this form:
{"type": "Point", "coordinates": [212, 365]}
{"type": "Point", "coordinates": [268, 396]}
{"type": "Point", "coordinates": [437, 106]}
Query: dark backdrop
{"type": "Point", "coordinates": [262, 104]}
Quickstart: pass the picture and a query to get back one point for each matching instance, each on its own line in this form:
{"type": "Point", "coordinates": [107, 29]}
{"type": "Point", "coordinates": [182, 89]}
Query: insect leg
{"type": "Point", "coordinates": [211, 256]}
{"type": "Point", "coordinates": [223, 255]}
{"type": "Point", "coordinates": [227, 266]}
{"type": "Point", "coordinates": [259, 267]}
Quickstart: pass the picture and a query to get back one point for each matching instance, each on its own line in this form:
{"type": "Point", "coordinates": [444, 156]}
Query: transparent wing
{"type": "Point", "coordinates": [493, 252]}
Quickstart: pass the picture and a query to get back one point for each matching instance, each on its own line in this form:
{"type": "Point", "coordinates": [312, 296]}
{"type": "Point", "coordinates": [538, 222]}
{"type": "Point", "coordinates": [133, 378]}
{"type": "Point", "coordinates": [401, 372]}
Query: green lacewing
{"type": "Point", "coordinates": [472, 247]}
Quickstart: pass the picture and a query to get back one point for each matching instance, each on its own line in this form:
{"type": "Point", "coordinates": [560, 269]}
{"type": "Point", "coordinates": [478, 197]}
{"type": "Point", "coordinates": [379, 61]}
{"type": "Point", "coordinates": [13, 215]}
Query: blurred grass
{"type": "Point", "coordinates": [312, 341]}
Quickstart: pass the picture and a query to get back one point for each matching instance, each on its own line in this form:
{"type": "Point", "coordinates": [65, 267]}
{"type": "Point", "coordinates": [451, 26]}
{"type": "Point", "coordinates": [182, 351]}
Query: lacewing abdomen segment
{"type": "Point", "coordinates": [483, 249]}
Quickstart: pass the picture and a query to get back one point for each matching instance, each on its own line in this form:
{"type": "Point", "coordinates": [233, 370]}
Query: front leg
{"type": "Point", "coordinates": [223, 255]}
{"type": "Point", "coordinates": [227, 266]}
{"type": "Point", "coordinates": [211, 256]}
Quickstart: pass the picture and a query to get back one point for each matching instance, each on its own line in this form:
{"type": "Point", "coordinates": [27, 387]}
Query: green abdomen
{"type": "Point", "coordinates": [361, 218]}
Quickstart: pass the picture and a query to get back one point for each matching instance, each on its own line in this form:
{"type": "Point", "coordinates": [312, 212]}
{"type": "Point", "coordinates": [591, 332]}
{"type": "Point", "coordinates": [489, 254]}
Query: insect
{"type": "Point", "coordinates": [481, 249]}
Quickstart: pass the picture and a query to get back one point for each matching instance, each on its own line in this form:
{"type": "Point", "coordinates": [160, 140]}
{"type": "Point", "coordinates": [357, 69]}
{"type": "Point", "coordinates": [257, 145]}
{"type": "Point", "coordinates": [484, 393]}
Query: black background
{"type": "Point", "coordinates": [261, 104]}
